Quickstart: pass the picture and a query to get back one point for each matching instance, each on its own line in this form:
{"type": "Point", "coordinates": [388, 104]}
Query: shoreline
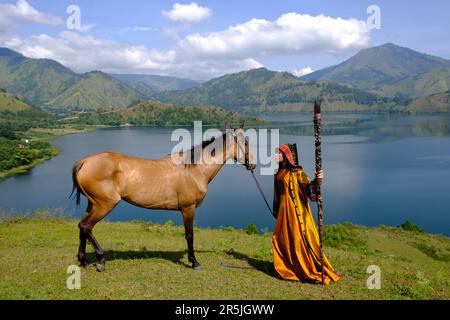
{"type": "Point", "coordinates": [55, 151]}
{"type": "Point", "coordinates": [28, 167]}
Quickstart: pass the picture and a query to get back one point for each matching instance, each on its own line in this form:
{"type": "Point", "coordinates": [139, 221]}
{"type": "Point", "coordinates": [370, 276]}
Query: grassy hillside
{"type": "Point", "coordinates": [93, 91]}
{"type": "Point", "coordinates": [149, 261]}
{"type": "Point", "coordinates": [428, 83]}
{"type": "Point", "coordinates": [438, 103]}
{"type": "Point", "coordinates": [160, 114]}
{"type": "Point", "coordinates": [431, 82]}
{"type": "Point", "coordinates": [35, 81]}
{"type": "Point", "coordinates": [148, 85]}
{"type": "Point", "coordinates": [14, 105]}
{"type": "Point", "coordinates": [388, 70]}
{"type": "Point", "coordinates": [264, 89]}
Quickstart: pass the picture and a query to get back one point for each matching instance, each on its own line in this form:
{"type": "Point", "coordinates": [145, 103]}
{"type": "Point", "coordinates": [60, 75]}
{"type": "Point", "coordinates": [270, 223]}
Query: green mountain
{"type": "Point", "coordinates": [264, 90]}
{"type": "Point", "coordinates": [389, 70]}
{"type": "Point", "coordinates": [159, 114]}
{"type": "Point", "coordinates": [50, 85]}
{"type": "Point", "coordinates": [13, 105]}
{"type": "Point", "coordinates": [95, 90]}
{"type": "Point", "coordinates": [149, 85]}
{"type": "Point", "coordinates": [35, 81]}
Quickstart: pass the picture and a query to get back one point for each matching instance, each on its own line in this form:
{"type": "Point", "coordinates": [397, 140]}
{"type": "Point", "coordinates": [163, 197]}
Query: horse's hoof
{"type": "Point", "coordinates": [100, 267]}
{"type": "Point", "coordinates": [83, 262]}
{"type": "Point", "coordinates": [196, 266]}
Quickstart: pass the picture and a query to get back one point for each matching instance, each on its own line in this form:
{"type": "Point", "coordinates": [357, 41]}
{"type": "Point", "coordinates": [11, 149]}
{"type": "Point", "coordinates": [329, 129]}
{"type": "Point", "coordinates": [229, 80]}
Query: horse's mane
{"type": "Point", "coordinates": [202, 146]}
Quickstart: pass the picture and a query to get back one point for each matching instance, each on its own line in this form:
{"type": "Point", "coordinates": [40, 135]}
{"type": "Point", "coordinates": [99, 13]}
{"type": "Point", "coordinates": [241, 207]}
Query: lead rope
{"type": "Point", "coordinates": [254, 178]}
{"type": "Point", "coordinates": [262, 193]}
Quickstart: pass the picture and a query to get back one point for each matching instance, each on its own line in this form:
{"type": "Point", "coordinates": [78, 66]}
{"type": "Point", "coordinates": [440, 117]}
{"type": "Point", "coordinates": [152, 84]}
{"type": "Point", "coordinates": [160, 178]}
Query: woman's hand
{"type": "Point", "coordinates": [319, 175]}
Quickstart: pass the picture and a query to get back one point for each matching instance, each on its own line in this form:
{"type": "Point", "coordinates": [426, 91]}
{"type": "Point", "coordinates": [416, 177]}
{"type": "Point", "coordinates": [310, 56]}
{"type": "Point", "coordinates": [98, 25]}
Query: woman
{"type": "Point", "coordinates": [295, 242]}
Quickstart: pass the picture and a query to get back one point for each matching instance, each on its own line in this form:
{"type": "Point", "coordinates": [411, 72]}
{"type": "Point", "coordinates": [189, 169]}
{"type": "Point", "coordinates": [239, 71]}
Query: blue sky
{"type": "Point", "coordinates": [204, 39]}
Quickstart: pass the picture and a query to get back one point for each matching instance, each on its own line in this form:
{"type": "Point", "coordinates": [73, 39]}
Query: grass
{"type": "Point", "coordinates": [149, 261]}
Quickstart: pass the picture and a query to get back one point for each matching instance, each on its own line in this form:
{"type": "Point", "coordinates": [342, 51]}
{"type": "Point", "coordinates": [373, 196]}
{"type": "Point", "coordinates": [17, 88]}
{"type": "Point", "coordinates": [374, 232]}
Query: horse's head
{"type": "Point", "coordinates": [241, 149]}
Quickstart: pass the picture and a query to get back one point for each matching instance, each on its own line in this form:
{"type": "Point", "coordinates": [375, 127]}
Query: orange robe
{"type": "Point", "coordinates": [295, 241]}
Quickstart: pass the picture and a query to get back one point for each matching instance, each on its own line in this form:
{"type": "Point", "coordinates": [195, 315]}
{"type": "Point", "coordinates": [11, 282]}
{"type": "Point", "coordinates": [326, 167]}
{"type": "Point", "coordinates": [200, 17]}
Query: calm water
{"type": "Point", "coordinates": [378, 170]}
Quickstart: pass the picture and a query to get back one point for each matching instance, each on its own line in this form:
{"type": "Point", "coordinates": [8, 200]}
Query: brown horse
{"type": "Point", "coordinates": [108, 177]}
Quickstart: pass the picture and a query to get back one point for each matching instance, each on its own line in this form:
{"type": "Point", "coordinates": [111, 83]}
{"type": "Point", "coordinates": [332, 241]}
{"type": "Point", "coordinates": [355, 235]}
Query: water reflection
{"type": "Point", "coordinates": [378, 128]}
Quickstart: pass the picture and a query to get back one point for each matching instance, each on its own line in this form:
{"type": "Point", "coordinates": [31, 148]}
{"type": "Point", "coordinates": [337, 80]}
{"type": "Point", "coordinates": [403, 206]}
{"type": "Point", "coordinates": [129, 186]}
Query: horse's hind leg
{"type": "Point", "coordinates": [94, 215]}
{"type": "Point", "coordinates": [188, 218]}
{"type": "Point", "coordinates": [82, 248]}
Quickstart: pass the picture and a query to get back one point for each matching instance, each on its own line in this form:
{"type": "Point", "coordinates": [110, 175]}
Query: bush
{"type": "Point", "coordinates": [252, 229]}
{"type": "Point", "coordinates": [8, 133]}
{"type": "Point", "coordinates": [409, 226]}
{"type": "Point", "coordinates": [344, 236]}
{"type": "Point", "coordinates": [23, 156]}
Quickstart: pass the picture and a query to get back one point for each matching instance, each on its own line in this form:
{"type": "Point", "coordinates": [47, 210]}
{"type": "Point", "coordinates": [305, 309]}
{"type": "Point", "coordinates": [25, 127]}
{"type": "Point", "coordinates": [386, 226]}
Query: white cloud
{"type": "Point", "coordinates": [291, 33]}
{"type": "Point", "coordinates": [205, 69]}
{"type": "Point", "coordinates": [189, 13]}
{"type": "Point", "coordinates": [85, 53]}
{"type": "Point", "coordinates": [302, 72]}
{"type": "Point", "coordinates": [198, 56]}
{"type": "Point", "coordinates": [23, 10]}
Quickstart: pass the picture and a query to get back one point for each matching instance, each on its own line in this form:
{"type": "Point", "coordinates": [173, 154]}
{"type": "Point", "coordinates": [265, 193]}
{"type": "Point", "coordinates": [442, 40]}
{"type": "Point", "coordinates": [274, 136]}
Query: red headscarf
{"type": "Point", "coordinates": [289, 155]}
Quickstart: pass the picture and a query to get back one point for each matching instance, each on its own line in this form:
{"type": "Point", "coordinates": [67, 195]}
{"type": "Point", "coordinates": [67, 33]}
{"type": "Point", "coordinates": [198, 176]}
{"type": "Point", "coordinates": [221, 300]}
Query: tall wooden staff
{"type": "Point", "coordinates": [318, 143]}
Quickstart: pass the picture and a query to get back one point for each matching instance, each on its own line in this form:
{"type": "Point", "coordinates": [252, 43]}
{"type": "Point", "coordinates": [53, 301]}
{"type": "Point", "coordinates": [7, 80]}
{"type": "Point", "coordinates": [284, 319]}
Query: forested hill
{"type": "Point", "coordinates": [261, 89]}
{"type": "Point", "coordinates": [160, 114]}
{"type": "Point", "coordinates": [149, 85]}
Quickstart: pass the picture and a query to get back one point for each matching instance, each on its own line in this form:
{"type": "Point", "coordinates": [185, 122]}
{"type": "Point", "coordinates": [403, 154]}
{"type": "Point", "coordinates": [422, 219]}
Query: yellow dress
{"type": "Point", "coordinates": [295, 241]}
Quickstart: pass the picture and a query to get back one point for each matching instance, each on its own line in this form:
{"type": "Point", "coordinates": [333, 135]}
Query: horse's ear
{"type": "Point", "coordinates": [227, 126]}
{"type": "Point", "coordinates": [242, 126]}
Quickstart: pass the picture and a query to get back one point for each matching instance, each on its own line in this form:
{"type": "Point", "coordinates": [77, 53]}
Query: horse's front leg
{"type": "Point", "coordinates": [188, 218]}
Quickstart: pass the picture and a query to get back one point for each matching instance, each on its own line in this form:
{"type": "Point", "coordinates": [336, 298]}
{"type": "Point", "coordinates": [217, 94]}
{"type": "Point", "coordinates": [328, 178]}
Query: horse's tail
{"type": "Point", "coordinates": [76, 186]}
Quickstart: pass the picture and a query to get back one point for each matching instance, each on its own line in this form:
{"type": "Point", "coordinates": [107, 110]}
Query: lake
{"type": "Point", "coordinates": [379, 170]}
